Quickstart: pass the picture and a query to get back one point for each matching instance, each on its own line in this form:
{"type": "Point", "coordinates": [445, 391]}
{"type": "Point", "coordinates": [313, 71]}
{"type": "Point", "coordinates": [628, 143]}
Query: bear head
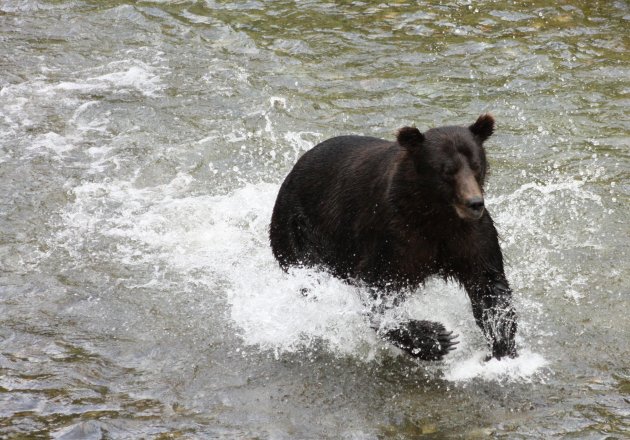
{"type": "Point", "coordinates": [451, 163]}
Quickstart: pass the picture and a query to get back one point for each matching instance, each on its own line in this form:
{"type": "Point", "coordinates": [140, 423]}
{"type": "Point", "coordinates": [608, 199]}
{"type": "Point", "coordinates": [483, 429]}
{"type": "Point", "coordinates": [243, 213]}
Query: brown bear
{"type": "Point", "coordinates": [392, 214]}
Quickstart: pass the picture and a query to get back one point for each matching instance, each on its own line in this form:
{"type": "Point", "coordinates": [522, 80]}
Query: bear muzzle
{"type": "Point", "coordinates": [469, 204]}
{"type": "Point", "coordinates": [471, 209]}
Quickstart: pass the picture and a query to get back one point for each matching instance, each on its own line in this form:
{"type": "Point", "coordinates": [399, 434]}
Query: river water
{"type": "Point", "coordinates": [141, 148]}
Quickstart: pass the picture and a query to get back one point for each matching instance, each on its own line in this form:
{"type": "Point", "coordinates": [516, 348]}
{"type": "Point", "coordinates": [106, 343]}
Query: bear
{"type": "Point", "coordinates": [389, 215]}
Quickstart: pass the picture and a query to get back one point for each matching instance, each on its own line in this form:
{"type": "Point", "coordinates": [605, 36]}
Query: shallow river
{"type": "Point", "coordinates": [141, 148]}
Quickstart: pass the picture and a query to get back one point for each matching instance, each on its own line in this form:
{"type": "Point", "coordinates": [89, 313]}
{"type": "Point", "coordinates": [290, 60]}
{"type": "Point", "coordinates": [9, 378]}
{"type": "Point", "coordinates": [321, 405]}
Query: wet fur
{"type": "Point", "coordinates": [384, 213]}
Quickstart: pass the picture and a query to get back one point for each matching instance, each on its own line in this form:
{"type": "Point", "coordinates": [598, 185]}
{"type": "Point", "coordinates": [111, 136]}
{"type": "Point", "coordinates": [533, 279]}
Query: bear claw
{"type": "Point", "coordinates": [424, 340]}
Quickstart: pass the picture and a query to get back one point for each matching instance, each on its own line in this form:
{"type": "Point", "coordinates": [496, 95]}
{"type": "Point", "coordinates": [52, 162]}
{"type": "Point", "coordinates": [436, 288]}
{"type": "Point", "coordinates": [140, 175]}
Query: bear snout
{"type": "Point", "coordinates": [475, 204]}
{"type": "Point", "coordinates": [469, 204]}
{"type": "Point", "coordinates": [471, 209]}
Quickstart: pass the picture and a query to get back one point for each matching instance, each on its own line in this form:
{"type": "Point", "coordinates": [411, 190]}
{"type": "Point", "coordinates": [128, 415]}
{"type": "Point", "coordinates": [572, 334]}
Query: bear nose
{"type": "Point", "coordinates": [475, 203]}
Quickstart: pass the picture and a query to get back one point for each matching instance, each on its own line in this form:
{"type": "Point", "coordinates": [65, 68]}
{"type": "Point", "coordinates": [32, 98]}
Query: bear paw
{"type": "Point", "coordinates": [426, 340]}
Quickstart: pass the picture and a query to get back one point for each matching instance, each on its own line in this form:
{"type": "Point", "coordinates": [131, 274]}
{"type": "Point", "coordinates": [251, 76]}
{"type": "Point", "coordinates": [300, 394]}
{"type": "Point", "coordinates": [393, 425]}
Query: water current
{"type": "Point", "coordinates": [142, 145]}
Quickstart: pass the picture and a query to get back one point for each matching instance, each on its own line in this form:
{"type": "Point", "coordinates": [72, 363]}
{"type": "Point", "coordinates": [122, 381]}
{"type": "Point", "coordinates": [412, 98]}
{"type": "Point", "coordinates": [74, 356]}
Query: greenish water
{"type": "Point", "coordinates": [141, 148]}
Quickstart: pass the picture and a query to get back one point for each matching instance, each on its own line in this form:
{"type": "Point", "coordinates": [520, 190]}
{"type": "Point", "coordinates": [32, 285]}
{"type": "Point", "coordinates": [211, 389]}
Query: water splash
{"type": "Point", "coordinates": [225, 237]}
{"type": "Point", "coordinates": [525, 368]}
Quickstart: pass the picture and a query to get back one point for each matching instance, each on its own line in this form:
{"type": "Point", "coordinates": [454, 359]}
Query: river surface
{"type": "Point", "coordinates": [142, 145]}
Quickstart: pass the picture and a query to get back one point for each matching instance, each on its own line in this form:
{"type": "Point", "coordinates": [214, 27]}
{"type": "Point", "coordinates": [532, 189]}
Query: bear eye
{"type": "Point", "coordinates": [449, 169]}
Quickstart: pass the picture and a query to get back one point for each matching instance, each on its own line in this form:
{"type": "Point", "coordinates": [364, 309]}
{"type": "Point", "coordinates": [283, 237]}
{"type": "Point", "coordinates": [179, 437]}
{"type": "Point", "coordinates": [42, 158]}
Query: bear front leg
{"type": "Point", "coordinates": [491, 299]}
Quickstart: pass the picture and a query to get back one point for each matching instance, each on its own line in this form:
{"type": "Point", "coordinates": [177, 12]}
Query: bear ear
{"type": "Point", "coordinates": [483, 127]}
{"type": "Point", "coordinates": [409, 138]}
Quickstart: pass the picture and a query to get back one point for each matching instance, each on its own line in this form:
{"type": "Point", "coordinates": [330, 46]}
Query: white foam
{"type": "Point", "coordinates": [21, 104]}
{"type": "Point", "coordinates": [139, 77]}
{"type": "Point", "coordinates": [539, 221]}
{"type": "Point", "coordinates": [225, 237]}
{"type": "Point", "coordinates": [51, 142]}
{"type": "Point", "coordinates": [525, 367]}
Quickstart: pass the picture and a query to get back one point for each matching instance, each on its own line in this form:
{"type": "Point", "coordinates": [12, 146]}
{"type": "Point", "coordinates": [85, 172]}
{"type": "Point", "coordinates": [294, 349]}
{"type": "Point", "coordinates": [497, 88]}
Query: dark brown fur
{"type": "Point", "coordinates": [392, 214]}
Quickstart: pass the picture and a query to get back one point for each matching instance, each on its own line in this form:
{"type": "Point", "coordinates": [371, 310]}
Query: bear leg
{"type": "Point", "coordinates": [426, 340]}
{"type": "Point", "coordinates": [288, 233]}
{"type": "Point", "coordinates": [494, 313]}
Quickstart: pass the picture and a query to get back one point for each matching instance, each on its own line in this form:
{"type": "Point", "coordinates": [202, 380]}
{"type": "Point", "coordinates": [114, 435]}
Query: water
{"type": "Point", "coordinates": [141, 149]}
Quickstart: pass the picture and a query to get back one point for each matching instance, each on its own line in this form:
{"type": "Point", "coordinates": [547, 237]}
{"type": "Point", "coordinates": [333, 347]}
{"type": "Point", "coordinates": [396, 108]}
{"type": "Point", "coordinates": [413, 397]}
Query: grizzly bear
{"type": "Point", "coordinates": [392, 214]}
